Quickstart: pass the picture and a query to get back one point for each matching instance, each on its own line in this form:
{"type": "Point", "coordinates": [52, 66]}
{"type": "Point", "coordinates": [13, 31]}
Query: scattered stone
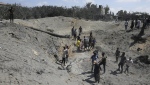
{"type": "Point", "coordinates": [139, 49]}
{"type": "Point", "coordinates": [50, 30]}
{"type": "Point", "coordinates": [40, 72]}
{"type": "Point", "coordinates": [143, 59]}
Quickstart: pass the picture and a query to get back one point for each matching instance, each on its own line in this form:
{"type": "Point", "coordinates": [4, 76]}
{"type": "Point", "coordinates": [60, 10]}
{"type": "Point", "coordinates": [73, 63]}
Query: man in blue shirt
{"type": "Point", "coordinates": [94, 57]}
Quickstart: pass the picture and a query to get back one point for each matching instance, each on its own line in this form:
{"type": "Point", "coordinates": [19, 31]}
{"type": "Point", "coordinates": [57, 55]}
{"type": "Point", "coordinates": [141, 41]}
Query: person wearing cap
{"type": "Point", "coordinates": [94, 57]}
{"type": "Point", "coordinates": [128, 64]}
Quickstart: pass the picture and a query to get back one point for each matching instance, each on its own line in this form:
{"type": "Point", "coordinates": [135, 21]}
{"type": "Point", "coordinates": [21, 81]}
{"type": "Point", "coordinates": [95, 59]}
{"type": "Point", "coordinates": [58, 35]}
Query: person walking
{"type": "Point", "coordinates": [67, 53]}
{"type": "Point", "coordinates": [128, 64]}
{"type": "Point", "coordinates": [78, 44]}
{"type": "Point", "coordinates": [91, 34]}
{"type": "Point", "coordinates": [138, 24]}
{"type": "Point", "coordinates": [94, 57]}
{"type": "Point", "coordinates": [72, 31]}
{"type": "Point", "coordinates": [75, 34]}
{"type": "Point", "coordinates": [122, 62]}
{"type": "Point", "coordinates": [80, 30]}
{"type": "Point", "coordinates": [93, 43]}
{"type": "Point", "coordinates": [85, 43]}
{"type": "Point", "coordinates": [90, 42]}
{"type": "Point", "coordinates": [126, 25]}
{"type": "Point", "coordinates": [132, 24]}
{"type": "Point", "coordinates": [64, 56]}
{"type": "Point", "coordinates": [103, 61]}
{"type": "Point", "coordinates": [11, 14]}
{"type": "Point", "coordinates": [97, 72]}
{"type": "Point", "coordinates": [117, 53]}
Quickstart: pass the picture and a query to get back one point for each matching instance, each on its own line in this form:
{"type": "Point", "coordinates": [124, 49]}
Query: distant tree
{"type": "Point", "coordinates": [106, 9]}
{"type": "Point", "coordinates": [88, 5]}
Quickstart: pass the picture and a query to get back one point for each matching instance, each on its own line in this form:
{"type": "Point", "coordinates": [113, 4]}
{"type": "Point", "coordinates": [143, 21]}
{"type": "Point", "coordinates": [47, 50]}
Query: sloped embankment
{"type": "Point", "coordinates": [26, 57]}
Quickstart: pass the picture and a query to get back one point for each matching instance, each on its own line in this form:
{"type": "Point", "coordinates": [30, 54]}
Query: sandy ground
{"type": "Point", "coordinates": [27, 56]}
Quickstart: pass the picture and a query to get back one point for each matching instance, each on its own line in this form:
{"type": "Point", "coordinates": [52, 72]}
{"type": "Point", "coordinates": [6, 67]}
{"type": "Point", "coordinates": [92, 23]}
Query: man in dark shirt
{"type": "Point", "coordinates": [11, 12]}
{"type": "Point", "coordinates": [80, 30]}
{"type": "Point", "coordinates": [94, 58]}
{"type": "Point", "coordinates": [117, 54]}
{"type": "Point", "coordinates": [103, 61]}
{"type": "Point", "coordinates": [97, 72]}
{"type": "Point", "coordinates": [122, 62]}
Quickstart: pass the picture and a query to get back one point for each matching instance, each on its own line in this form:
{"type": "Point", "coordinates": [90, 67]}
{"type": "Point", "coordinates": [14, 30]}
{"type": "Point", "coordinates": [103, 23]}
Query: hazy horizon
{"type": "Point", "coordinates": [115, 5]}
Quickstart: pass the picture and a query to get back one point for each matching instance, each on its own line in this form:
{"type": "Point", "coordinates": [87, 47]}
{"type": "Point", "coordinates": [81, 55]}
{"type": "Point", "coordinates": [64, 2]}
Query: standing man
{"type": "Point", "coordinates": [103, 61]}
{"type": "Point", "coordinates": [93, 43]}
{"type": "Point", "coordinates": [67, 53]}
{"type": "Point", "coordinates": [94, 58]}
{"type": "Point", "coordinates": [64, 56]}
{"type": "Point", "coordinates": [72, 31]}
{"type": "Point", "coordinates": [97, 72]}
{"type": "Point", "coordinates": [126, 25]}
{"type": "Point", "coordinates": [132, 24]}
{"type": "Point", "coordinates": [85, 43]}
{"type": "Point", "coordinates": [75, 34]}
{"type": "Point", "coordinates": [117, 54]}
{"type": "Point", "coordinates": [122, 62]}
{"type": "Point", "coordinates": [138, 24]}
{"type": "Point", "coordinates": [91, 34]}
{"type": "Point", "coordinates": [11, 14]}
{"type": "Point", "coordinates": [80, 30]}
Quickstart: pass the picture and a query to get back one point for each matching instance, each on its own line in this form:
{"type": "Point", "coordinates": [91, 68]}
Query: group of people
{"type": "Point", "coordinates": [137, 23]}
{"type": "Point", "coordinates": [65, 55]}
{"type": "Point", "coordinates": [123, 61]}
{"type": "Point", "coordinates": [87, 43]}
{"type": "Point", "coordinates": [96, 64]}
{"type": "Point", "coordinates": [74, 32]}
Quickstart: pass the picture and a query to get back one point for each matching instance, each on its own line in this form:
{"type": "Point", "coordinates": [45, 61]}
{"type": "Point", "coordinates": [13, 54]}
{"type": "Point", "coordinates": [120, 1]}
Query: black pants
{"type": "Point", "coordinates": [117, 58]}
{"type": "Point", "coordinates": [75, 36]}
{"type": "Point", "coordinates": [120, 65]}
{"type": "Point", "coordinates": [11, 17]}
{"type": "Point", "coordinates": [92, 67]}
{"type": "Point", "coordinates": [92, 45]}
{"type": "Point", "coordinates": [104, 66]}
{"type": "Point", "coordinates": [127, 69]}
{"type": "Point", "coordinates": [63, 60]}
{"type": "Point", "coordinates": [126, 26]}
{"type": "Point", "coordinates": [67, 58]}
{"type": "Point", "coordinates": [97, 77]}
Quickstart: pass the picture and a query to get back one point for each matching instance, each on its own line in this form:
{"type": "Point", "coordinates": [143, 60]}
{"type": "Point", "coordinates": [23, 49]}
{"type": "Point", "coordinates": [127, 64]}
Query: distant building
{"type": "Point", "coordinates": [1, 3]}
{"type": "Point", "coordinates": [102, 10]}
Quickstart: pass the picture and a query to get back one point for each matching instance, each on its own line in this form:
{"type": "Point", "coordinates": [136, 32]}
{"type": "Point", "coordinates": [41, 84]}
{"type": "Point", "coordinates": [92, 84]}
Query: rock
{"type": "Point", "coordinates": [139, 49]}
{"type": "Point", "coordinates": [143, 59]}
{"type": "Point", "coordinates": [50, 30]}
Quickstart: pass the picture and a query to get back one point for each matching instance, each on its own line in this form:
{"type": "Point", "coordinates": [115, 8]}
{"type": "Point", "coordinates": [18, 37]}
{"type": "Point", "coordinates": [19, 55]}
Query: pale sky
{"type": "Point", "coordinates": [115, 5]}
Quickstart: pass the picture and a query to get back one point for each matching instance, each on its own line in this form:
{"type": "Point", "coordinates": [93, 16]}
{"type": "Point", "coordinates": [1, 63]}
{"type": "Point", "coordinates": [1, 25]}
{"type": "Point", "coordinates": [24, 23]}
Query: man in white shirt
{"type": "Point", "coordinates": [138, 24]}
{"type": "Point", "coordinates": [129, 62]}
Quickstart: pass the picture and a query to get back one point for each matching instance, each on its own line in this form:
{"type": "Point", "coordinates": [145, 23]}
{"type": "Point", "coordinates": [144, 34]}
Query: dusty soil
{"type": "Point", "coordinates": [27, 56]}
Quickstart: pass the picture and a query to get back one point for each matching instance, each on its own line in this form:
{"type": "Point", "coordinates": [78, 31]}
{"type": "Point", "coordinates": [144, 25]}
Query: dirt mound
{"type": "Point", "coordinates": [28, 56]}
{"type": "Point", "coordinates": [143, 59]}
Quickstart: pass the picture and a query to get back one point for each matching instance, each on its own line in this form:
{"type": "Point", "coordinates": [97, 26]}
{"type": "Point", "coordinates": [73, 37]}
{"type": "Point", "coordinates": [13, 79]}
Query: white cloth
{"type": "Point", "coordinates": [129, 62]}
{"type": "Point", "coordinates": [64, 53]}
{"type": "Point", "coordinates": [126, 23]}
{"type": "Point", "coordinates": [138, 23]}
